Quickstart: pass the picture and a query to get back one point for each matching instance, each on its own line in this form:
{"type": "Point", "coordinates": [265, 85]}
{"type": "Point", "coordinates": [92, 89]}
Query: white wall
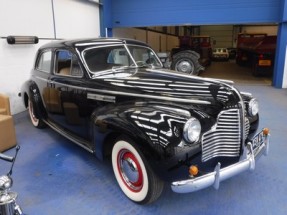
{"type": "Point", "coordinates": [73, 19]}
{"type": "Point", "coordinates": [222, 35]}
{"type": "Point", "coordinates": [153, 39]}
{"type": "Point", "coordinates": [270, 30]}
{"type": "Point", "coordinates": [132, 33]}
{"type": "Point", "coordinates": [15, 66]}
{"type": "Point", "coordinates": [76, 19]}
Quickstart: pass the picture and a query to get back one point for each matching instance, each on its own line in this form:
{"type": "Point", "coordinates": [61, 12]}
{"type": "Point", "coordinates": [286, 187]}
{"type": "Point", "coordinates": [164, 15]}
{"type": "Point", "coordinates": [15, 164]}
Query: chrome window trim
{"type": "Point", "coordinates": [126, 46]}
{"type": "Point", "coordinates": [39, 55]}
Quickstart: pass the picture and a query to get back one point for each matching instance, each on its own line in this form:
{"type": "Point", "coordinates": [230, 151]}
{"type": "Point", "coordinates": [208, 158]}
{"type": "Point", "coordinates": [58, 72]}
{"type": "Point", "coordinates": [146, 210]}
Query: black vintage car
{"type": "Point", "coordinates": [113, 98]}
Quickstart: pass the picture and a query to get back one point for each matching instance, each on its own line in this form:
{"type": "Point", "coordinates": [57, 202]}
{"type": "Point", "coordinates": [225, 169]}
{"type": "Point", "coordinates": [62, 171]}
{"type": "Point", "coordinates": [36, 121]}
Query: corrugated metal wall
{"type": "Point", "coordinates": [130, 13]}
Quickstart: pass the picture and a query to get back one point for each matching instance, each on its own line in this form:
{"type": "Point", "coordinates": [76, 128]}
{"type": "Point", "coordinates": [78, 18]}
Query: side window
{"type": "Point", "coordinates": [44, 61]}
{"type": "Point", "coordinates": [67, 64]}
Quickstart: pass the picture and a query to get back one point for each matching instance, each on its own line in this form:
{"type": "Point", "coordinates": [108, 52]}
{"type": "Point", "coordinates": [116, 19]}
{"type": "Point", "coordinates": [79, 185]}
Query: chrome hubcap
{"type": "Point", "coordinates": [130, 170]}
{"type": "Point", "coordinates": [185, 66]}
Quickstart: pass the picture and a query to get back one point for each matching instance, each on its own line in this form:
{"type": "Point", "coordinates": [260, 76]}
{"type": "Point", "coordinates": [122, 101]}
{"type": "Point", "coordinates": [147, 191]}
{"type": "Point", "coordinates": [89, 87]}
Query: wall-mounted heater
{"type": "Point", "coordinates": [22, 40]}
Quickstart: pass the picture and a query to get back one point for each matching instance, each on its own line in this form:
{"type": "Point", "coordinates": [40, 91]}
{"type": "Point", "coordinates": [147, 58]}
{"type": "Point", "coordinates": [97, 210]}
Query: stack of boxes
{"type": "Point", "coordinates": [7, 129]}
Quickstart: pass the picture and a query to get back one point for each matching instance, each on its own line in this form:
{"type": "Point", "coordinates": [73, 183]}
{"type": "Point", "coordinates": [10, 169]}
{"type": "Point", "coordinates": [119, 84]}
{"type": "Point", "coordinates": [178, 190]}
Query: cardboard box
{"type": "Point", "coordinates": [7, 133]}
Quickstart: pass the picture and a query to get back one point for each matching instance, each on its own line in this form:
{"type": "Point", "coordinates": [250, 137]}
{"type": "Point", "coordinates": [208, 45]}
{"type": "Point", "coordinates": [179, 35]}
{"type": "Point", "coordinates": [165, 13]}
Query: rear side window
{"type": "Point", "coordinates": [44, 61]}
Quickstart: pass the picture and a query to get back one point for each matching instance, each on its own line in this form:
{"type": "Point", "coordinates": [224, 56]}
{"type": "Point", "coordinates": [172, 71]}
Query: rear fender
{"type": "Point", "coordinates": [31, 91]}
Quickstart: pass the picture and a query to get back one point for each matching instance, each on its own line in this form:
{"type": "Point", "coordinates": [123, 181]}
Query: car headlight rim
{"type": "Point", "coordinates": [192, 130]}
{"type": "Point", "coordinates": [253, 107]}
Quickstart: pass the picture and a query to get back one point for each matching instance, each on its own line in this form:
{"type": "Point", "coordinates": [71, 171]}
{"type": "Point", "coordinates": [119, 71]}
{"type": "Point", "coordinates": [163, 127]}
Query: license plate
{"type": "Point", "coordinates": [264, 63]}
{"type": "Point", "coordinates": [258, 140]}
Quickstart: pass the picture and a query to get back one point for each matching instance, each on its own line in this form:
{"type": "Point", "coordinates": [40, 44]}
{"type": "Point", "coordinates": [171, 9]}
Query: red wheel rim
{"type": "Point", "coordinates": [130, 170]}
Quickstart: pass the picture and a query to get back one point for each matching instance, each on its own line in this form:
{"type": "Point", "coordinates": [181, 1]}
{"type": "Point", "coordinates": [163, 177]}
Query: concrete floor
{"type": "Point", "coordinates": [231, 71]}
{"type": "Point", "coordinates": [55, 177]}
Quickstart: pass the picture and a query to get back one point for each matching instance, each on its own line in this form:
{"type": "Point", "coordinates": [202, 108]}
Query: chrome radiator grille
{"type": "Point", "coordinates": [224, 139]}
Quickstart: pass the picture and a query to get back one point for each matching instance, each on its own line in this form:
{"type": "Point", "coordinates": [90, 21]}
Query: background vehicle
{"type": "Point", "coordinates": [193, 53]}
{"type": "Point", "coordinates": [256, 50]}
{"type": "Point", "coordinates": [232, 52]}
{"type": "Point", "coordinates": [220, 54]}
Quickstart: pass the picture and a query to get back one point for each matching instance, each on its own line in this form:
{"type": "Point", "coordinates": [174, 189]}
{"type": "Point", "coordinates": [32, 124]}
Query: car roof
{"type": "Point", "coordinates": [91, 42]}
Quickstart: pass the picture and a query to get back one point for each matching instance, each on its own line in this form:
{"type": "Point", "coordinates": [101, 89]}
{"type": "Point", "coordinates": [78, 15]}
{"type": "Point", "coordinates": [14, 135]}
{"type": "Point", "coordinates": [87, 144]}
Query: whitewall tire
{"type": "Point", "coordinates": [133, 174]}
{"type": "Point", "coordinates": [38, 123]}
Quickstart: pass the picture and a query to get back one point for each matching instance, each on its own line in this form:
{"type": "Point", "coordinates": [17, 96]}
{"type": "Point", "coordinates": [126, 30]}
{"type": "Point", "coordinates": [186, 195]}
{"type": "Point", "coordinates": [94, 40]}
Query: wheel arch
{"type": "Point", "coordinates": [105, 140]}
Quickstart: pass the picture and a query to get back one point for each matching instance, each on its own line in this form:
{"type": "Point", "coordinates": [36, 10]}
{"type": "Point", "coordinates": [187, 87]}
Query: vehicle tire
{"type": "Point", "coordinates": [38, 123]}
{"type": "Point", "coordinates": [133, 174]}
{"type": "Point", "coordinates": [185, 62]}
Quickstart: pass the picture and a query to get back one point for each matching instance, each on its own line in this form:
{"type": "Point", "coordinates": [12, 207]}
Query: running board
{"type": "Point", "coordinates": [80, 142]}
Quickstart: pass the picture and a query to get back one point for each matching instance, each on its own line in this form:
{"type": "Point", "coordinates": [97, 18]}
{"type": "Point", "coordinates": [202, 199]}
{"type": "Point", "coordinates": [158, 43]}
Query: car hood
{"type": "Point", "coordinates": [162, 84]}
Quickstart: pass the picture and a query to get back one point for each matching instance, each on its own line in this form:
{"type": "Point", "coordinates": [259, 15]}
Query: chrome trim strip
{"type": "Point", "coordinates": [42, 79]}
{"type": "Point", "coordinates": [166, 98]}
{"type": "Point", "coordinates": [101, 97]}
{"type": "Point", "coordinates": [218, 175]}
{"type": "Point", "coordinates": [152, 97]}
{"type": "Point", "coordinates": [227, 82]}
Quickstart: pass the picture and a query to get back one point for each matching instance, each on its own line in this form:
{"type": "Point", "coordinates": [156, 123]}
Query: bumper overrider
{"type": "Point", "coordinates": [252, 151]}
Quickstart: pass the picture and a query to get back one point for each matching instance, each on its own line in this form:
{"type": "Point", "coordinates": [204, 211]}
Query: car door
{"type": "Point", "coordinates": [41, 73]}
{"type": "Point", "coordinates": [68, 96]}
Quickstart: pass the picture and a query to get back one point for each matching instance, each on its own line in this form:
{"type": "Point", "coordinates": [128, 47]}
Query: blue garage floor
{"type": "Point", "coordinates": [55, 177]}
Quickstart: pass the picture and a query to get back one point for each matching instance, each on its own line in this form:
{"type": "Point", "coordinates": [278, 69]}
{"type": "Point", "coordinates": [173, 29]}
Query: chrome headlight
{"type": "Point", "coordinates": [191, 130]}
{"type": "Point", "coordinates": [253, 107]}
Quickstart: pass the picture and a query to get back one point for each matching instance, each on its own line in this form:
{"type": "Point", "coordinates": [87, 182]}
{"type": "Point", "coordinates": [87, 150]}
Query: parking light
{"type": "Point", "coordinates": [193, 170]}
{"type": "Point", "coordinates": [266, 131]}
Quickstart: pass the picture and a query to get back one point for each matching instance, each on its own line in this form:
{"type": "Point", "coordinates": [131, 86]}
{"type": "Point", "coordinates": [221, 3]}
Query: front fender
{"type": "Point", "coordinates": [156, 127]}
{"type": "Point", "coordinates": [157, 131]}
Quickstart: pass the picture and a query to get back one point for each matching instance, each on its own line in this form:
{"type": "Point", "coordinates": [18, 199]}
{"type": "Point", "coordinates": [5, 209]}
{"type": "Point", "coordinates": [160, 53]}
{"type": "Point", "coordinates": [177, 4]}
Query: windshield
{"type": "Point", "coordinates": [144, 56]}
{"type": "Point", "coordinates": [119, 57]}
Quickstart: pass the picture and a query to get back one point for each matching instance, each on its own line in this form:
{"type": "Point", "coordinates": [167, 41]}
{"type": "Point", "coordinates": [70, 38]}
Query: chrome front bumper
{"type": "Point", "coordinates": [214, 178]}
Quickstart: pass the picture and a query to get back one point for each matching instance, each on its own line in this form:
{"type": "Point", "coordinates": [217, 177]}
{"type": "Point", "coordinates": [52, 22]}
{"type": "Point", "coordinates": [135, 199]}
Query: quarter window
{"type": "Point", "coordinates": [44, 61]}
